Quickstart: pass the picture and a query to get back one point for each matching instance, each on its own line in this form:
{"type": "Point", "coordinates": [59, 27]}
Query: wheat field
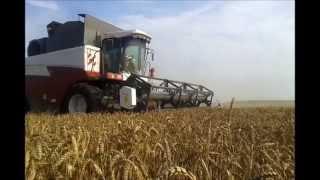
{"type": "Point", "coordinates": [200, 143]}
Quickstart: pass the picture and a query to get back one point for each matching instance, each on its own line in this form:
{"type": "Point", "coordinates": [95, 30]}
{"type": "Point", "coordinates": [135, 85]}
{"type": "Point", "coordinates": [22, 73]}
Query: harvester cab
{"type": "Point", "coordinates": [93, 65]}
{"type": "Point", "coordinates": [129, 52]}
{"type": "Point", "coordinates": [126, 51]}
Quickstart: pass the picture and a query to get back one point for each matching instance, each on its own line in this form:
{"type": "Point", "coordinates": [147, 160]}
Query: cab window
{"type": "Point", "coordinates": [112, 53]}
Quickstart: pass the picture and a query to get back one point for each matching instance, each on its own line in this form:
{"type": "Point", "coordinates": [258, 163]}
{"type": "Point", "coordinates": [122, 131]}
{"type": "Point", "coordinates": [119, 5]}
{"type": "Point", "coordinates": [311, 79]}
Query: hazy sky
{"type": "Point", "coordinates": [241, 49]}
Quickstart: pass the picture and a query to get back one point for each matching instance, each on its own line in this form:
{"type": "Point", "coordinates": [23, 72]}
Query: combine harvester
{"type": "Point", "coordinates": [90, 65]}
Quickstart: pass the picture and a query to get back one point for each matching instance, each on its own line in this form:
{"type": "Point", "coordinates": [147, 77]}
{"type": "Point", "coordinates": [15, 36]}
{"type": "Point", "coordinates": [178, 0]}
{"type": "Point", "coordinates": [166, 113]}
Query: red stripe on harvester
{"type": "Point", "coordinates": [114, 76]}
{"type": "Point", "coordinates": [110, 75]}
{"type": "Point", "coordinates": [119, 76]}
{"type": "Point", "coordinates": [93, 74]}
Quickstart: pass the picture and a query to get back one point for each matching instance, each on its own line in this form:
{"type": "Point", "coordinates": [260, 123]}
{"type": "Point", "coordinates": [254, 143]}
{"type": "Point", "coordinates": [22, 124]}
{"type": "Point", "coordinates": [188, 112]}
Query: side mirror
{"type": "Point", "coordinates": [150, 52]}
{"type": "Point", "coordinates": [151, 72]}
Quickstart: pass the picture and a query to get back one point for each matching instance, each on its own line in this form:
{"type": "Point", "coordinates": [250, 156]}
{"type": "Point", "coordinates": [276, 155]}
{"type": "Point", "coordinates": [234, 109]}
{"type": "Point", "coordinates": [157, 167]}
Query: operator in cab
{"type": "Point", "coordinates": [128, 64]}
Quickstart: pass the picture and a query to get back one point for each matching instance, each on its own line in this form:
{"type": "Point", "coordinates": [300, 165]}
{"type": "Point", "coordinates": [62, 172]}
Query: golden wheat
{"type": "Point", "coordinates": [203, 143]}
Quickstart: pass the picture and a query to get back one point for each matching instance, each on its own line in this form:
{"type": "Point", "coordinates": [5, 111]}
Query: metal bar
{"type": "Point", "coordinates": [179, 94]}
{"type": "Point", "coordinates": [172, 81]}
{"type": "Point", "coordinates": [169, 82]}
{"type": "Point", "coordinates": [161, 87]}
{"type": "Point", "coordinates": [190, 86]}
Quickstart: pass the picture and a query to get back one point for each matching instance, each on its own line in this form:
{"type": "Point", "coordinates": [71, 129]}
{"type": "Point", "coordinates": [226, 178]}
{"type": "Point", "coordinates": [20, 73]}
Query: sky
{"type": "Point", "coordinates": [241, 49]}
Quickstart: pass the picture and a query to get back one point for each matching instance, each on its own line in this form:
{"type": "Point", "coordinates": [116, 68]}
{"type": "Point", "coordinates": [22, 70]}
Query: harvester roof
{"type": "Point", "coordinates": [124, 33]}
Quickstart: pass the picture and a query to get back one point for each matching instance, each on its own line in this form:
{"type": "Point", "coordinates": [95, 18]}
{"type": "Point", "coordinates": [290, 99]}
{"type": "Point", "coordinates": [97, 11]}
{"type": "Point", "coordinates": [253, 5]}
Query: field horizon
{"type": "Point", "coordinates": [260, 103]}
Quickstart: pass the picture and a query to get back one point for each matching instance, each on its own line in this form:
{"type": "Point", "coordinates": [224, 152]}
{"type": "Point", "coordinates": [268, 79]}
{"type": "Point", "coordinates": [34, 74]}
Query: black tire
{"type": "Point", "coordinates": [91, 94]}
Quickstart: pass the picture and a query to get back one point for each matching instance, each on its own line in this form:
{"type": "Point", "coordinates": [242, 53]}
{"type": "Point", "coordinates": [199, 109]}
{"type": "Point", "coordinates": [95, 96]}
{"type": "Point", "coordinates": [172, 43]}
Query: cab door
{"type": "Point", "coordinates": [112, 51]}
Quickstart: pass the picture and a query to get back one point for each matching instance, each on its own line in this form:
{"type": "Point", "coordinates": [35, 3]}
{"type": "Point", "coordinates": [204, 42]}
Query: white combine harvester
{"type": "Point", "coordinates": [91, 65]}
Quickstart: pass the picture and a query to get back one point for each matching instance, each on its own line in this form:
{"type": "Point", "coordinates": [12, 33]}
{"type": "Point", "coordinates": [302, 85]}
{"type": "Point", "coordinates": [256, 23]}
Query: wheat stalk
{"type": "Point", "coordinates": [206, 170]}
{"type": "Point", "coordinates": [32, 173]}
{"type": "Point", "coordinates": [157, 145]}
{"type": "Point", "coordinates": [168, 153]}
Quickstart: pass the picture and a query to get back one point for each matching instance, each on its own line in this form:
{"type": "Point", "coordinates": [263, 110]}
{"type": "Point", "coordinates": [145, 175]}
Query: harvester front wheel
{"type": "Point", "coordinates": [83, 98]}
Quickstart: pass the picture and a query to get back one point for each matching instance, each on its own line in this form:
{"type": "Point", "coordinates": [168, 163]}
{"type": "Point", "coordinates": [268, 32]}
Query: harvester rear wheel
{"type": "Point", "coordinates": [83, 98]}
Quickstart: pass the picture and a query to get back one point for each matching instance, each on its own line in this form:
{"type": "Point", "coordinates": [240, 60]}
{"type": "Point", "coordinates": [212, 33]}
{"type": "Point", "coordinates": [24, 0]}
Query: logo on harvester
{"type": "Point", "coordinates": [91, 56]}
